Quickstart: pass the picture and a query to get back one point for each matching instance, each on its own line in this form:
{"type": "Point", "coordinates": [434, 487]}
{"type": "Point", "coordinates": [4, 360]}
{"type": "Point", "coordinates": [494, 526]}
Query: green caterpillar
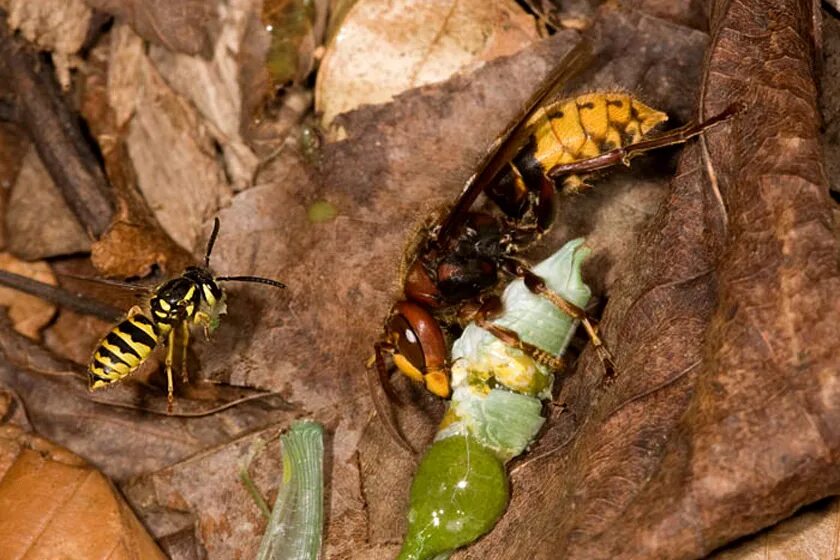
{"type": "Point", "coordinates": [461, 487]}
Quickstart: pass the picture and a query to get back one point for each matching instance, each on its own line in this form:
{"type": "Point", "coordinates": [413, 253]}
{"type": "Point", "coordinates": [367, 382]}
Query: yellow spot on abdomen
{"type": "Point", "coordinates": [593, 116]}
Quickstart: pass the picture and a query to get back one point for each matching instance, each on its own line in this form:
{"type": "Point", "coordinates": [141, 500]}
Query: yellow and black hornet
{"type": "Point", "coordinates": [193, 298]}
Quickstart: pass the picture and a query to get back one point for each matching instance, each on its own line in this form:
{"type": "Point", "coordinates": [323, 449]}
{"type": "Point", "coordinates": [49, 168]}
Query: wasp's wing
{"type": "Point", "coordinates": [510, 141]}
{"type": "Point", "coordinates": [139, 289]}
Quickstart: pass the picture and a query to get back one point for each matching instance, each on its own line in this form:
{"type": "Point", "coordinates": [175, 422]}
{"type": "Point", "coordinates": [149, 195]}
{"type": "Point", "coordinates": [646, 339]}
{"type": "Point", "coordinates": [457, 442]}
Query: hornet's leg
{"type": "Point", "coordinates": [383, 406]}
{"type": "Point", "coordinates": [378, 360]}
{"type": "Point", "coordinates": [492, 307]}
{"type": "Point", "coordinates": [624, 154]}
{"type": "Point", "coordinates": [537, 285]}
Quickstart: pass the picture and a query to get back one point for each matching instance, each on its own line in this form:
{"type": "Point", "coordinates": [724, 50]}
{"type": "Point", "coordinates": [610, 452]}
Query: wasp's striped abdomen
{"type": "Point", "coordinates": [123, 349]}
{"type": "Point", "coordinates": [567, 131]}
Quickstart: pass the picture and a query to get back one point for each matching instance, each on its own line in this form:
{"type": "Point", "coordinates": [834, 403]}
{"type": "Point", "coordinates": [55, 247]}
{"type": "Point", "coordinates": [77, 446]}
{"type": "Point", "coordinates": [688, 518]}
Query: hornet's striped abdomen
{"type": "Point", "coordinates": [123, 349]}
{"type": "Point", "coordinates": [567, 131]}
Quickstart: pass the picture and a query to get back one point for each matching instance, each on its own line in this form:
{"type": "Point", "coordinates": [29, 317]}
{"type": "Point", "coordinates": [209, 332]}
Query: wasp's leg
{"type": "Point", "coordinates": [537, 285]}
{"type": "Point", "coordinates": [624, 154]}
{"type": "Point", "coordinates": [383, 408]}
{"type": "Point", "coordinates": [185, 342]}
{"type": "Point", "coordinates": [203, 319]}
{"type": "Point", "coordinates": [170, 350]}
{"type": "Point", "coordinates": [135, 310]}
{"type": "Point", "coordinates": [491, 308]}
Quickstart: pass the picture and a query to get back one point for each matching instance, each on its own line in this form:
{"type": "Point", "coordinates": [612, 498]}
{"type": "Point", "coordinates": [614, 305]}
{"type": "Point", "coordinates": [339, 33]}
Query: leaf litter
{"type": "Point", "coordinates": [622, 471]}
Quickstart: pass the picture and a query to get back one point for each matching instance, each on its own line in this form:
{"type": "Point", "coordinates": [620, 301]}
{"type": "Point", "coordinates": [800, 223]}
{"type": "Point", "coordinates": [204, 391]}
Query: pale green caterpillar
{"type": "Point", "coordinates": [461, 487]}
{"type": "Point", "coordinates": [296, 522]}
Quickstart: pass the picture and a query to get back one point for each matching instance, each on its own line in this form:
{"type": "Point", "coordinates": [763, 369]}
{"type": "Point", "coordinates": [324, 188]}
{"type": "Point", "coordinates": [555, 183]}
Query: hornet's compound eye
{"type": "Point", "coordinates": [419, 339]}
{"type": "Point", "coordinates": [408, 344]}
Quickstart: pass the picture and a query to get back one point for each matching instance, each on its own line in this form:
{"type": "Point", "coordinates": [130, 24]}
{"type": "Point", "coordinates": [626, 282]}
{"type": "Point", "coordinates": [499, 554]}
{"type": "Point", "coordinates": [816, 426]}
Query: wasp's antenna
{"type": "Point", "coordinates": [211, 242]}
{"type": "Point", "coordinates": [255, 279]}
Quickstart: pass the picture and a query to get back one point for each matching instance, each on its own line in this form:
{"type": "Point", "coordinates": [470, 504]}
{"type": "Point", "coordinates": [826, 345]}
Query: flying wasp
{"type": "Point", "coordinates": [448, 280]}
{"type": "Point", "coordinates": [195, 297]}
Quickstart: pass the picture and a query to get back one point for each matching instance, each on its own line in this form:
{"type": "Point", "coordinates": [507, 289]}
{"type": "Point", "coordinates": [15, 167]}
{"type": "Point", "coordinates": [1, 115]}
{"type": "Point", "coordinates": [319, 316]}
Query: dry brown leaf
{"type": "Point", "coordinates": [59, 26]}
{"type": "Point", "coordinates": [830, 98]}
{"type": "Point", "coordinates": [311, 341]}
{"type": "Point", "coordinates": [688, 13]}
{"type": "Point", "coordinates": [722, 420]}
{"type": "Point", "coordinates": [174, 158]}
{"type": "Point", "coordinates": [130, 249]}
{"type": "Point", "coordinates": [176, 165]}
{"type": "Point", "coordinates": [204, 494]}
{"type": "Point", "coordinates": [29, 314]}
{"type": "Point", "coordinates": [126, 55]}
{"type": "Point", "coordinates": [34, 196]}
{"type": "Point", "coordinates": [126, 430]}
{"type": "Point", "coordinates": [187, 26]}
{"type": "Point", "coordinates": [54, 505]}
{"type": "Point", "coordinates": [133, 241]}
{"type": "Point", "coordinates": [13, 147]}
{"type": "Point", "coordinates": [72, 336]}
{"type": "Point", "coordinates": [384, 48]}
{"type": "Point", "coordinates": [212, 86]}
{"type": "Point", "coordinates": [811, 534]}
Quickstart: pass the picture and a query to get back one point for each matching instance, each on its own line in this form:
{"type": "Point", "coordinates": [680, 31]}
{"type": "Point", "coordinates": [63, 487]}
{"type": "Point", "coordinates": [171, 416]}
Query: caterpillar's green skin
{"type": "Point", "coordinates": [296, 522]}
{"type": "Point", "coordinates": [461, 489]}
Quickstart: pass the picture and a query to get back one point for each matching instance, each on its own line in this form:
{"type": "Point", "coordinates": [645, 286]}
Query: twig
{"type": "Point", "coordinates": [55, 132]}
{"type": "Point", "coordinates": [60, 296]}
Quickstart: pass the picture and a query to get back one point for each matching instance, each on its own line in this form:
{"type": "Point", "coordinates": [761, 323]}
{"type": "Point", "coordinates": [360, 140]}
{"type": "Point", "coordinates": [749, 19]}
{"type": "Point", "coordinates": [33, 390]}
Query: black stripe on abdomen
{"type": "Point", "coordinates": [124, 347]}
{"type": "Point", "coordinates": [136, 333]}
{"type": "Point", "coordinates": [111, 356]}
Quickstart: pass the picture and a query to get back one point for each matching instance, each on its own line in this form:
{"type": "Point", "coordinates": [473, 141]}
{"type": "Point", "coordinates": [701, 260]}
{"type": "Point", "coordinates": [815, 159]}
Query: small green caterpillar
{"type": "Point", "coordinates": [295, 526]}
{"type": "Point", "coordinates": [461, 487]}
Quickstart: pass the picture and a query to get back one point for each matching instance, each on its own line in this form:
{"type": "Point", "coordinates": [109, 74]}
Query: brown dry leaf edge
{"type": "Point", "coordinates": [53, 504]}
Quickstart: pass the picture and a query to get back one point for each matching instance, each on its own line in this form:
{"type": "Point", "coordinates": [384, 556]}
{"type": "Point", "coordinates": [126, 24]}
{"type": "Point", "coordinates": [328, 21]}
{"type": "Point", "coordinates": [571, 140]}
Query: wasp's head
{"type": "Point", "coordinates": [210, 290]}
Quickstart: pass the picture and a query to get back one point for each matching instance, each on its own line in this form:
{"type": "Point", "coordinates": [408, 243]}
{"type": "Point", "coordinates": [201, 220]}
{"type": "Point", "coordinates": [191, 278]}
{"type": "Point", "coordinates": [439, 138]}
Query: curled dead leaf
{"type": "Point", "coordinates": [54, 505]}
{"type": "Point", "coordinates": [34, 196]}
{"type": "Point", "coordinates": [212, 86]}
{"type": "Point", "coordinates": [184, 186]}
{"type": "Point", "coordinates": [131, 249]}
{"type": "Point", "coordinates": [185, 26]}
{"type": "Point", "coordinates": [723, 419]}
{"type": "Point", "coordinates": [383, 48]}
{"type": "Point", "coordinates": [811, 534]}
{"type": "Point", "coordinates": [29, 314]}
